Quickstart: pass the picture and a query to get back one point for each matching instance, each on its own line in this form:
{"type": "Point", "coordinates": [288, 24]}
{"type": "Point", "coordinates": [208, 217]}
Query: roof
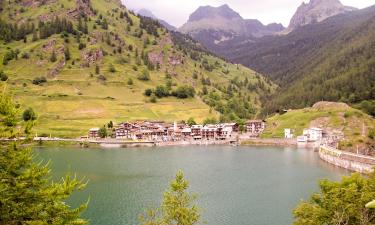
{"type": "Point", "coordinates": [94, 129]}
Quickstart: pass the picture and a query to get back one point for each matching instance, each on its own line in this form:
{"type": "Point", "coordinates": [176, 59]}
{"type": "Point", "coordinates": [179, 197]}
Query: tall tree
{"type": "Point", "coordinates": [27, 195]}
{"type": "Point", "coordinates": [177, 207]}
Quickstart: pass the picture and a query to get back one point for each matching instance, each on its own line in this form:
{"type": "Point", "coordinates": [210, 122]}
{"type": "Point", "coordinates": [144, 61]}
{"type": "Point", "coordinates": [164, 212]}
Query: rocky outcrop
{"type": "Point", "coordinates": [156, 57]}
{"type": "Point", "coordinates": [83, 8]}
{"type": "Point", "coordinates": [35, 3]}
{"type": "Point", "coordinates": [91, 57]}
{"type": "Point", "coordinates": [316, 11]}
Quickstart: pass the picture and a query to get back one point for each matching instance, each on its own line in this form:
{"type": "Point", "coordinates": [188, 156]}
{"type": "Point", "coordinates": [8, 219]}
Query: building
{"type": "Point", "coordinates": [255, 127]}
{"type": "Point", "coordinates": [209, 132]}
{"type": "Point", "coordinates": [196, 131]}
{"type": "Point", "coordinates": [313, 134]}
{"type": "Point", "coordinates": [94, 133]}
{"type": "Point", "coordinates": [288, 133]}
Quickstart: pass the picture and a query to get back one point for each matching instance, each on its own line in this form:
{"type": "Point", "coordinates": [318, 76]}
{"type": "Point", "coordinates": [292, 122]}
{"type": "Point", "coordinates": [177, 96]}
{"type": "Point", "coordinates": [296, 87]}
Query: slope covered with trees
{"type": "Point", "coordinates": [333, 60]}
{"type": "Point", "coordinates": [83, 63]}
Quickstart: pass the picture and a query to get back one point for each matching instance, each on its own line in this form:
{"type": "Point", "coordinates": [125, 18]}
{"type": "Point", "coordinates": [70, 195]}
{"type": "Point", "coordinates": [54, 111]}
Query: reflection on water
{"type": "Point", "coordinates": [235, 185]}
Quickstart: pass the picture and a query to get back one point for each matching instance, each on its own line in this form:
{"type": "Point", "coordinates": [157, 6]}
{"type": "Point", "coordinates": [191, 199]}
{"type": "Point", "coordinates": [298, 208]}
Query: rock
{"type": "Point", "coordinates": [49, 46]}
{"type": "Point", "coordinates": [91, 57]}
{"type": "Point", "coordinates": [330, 105]}
{"type": "Point", "coordinates": [83, 9]}
{"type": "Point", "coordinates": [156, 57]}
{"type": "Point", "coordinates": [57, 69]}
{"type": "Point", "coordinates": [317, 11]}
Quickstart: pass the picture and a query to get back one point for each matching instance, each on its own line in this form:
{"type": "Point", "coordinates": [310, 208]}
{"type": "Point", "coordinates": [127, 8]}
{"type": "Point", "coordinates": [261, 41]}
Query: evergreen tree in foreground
{"type": "Point", "coordinates": [27, 195]}
{"type": "Point", "coordinates": [177, 207]}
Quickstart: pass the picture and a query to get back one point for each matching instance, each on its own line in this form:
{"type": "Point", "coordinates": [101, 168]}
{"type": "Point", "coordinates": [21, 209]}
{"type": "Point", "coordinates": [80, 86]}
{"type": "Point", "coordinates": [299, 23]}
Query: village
{"type": "Point", "coordinates": [162, 132]}
{"type": "Point", "coordinates": [159, 131]}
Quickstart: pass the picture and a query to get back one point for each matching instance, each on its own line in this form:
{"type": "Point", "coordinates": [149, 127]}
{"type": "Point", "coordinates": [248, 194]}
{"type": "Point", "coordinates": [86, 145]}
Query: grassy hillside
{"type": "Point", "coordinates": [333, 60]}
{"type": "Point", "coordinates": [94, 72]}
{"type": "Point", "coordinates": [357, 127]}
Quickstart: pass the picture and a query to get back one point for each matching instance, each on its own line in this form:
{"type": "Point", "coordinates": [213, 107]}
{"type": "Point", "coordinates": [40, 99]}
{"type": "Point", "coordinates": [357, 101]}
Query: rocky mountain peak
{"type": "Point", "coordinates": [206, 12]}
{"type": "Point", "coordinates": [317, 11]}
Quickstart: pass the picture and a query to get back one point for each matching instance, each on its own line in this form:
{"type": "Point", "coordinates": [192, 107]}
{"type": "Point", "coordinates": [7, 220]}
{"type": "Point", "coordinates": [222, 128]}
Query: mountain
{"type": "Point", "coordinates": [316, 11]}
{"type": "Point", "coordinates": [213, 26]}
{"type": "Point", "coordinates": [332, 60]}
{"type": "Point", "coordinates": [80, 64]}
{"type": "Point", "coordinates": [148, 13]}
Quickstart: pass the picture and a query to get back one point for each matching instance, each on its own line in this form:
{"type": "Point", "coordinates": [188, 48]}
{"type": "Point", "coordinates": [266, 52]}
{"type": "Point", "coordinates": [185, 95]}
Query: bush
{"type": "Point", "coordinates": [3, 76]}
{"type": "Point", "coordinates": [184, 92]}
{"type": "Point", "coordinates": [368, 107]}
{"type": "Point", "coordinates": [130, 81]}
{"type": "Point", "coordinates": [102, 78]}
{"type": "Point", "coordinates": [161, 91]}
{"type": "Point", "coordinates": [148, 92]}
{"type": "Point", "coordinates": [103, 132]}
{"type": "Point", "coordinates": [112, 68]}
{"type": "Point", "coordinates": [153, 99]}
{"type": "Point", "coordinates": [39, 80]}
{"type": "Point", "coordinates": [145, 76]}
{"type": "Point", "coordinates": [29, 114]}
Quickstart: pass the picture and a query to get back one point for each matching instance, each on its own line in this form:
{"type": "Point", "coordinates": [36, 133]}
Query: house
{"type": "Point", "coordinates": [255, 127]}
{"type": "Point", "coordinates": [209, 132]}
{"type": "Point", "coordinates": [288, 133]}
{"type": "Point", "coordinates": [94, 133]}
{"type": "Point", "coordinates": [313, 134]}
{"type": "Point", "coordinates": [196, 131]}
{"type": "Point", "coordinates": [186, 132]}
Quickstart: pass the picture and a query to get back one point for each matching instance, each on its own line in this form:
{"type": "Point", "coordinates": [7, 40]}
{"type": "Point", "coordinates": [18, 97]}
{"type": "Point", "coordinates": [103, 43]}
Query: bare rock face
{"type": "Point", "coordinates": [83, 8]}
{"type": "Point", "coordinates": [156, 57]}
{"type": "Point", "coordinates": [35, 3]}
{"type": "Point", "coordinates": [91, 57]}
{"type": "Point", "coordinates": [316, 11]}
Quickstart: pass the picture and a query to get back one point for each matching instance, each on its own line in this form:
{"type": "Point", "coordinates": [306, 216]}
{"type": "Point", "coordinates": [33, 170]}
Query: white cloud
{"type": "Point", "coordinates": [177, 12]}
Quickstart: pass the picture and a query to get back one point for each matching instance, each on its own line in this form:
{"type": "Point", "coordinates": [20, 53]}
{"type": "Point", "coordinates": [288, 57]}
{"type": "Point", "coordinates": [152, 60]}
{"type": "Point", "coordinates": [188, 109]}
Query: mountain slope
{"type": "Point", "coordinates": [148, 13]}
{"type": "Point", "coordinates": [82, 63]}
{"type": "Point", "coordinates": [332, 60]}
{"type": "Point", "coordinates": [213, 26]}
{"type": "Point", "coordinates": [316, 11]}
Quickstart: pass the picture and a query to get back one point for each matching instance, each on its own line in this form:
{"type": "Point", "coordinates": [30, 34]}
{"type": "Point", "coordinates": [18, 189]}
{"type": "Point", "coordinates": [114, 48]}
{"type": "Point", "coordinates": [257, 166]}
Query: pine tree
{"type": "Point", "coordinates": [53, 57]}
{"type": "Point", "coordinates": [67, 53]}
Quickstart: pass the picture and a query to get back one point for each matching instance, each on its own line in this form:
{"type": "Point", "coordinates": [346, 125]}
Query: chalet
{"type": "Point", "coordinates": [94, 133]}
{"type": "Point", "coordinates": [186, 132]}
{"type": "Point", "coordinates": [196, 132]}
{"type": "Point", "coordinates": [255, 127]}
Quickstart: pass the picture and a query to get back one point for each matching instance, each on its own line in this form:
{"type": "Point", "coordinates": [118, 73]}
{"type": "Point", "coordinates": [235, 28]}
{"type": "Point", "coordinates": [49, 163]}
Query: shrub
{"type": "Point", "coordinates": [153, 98]}
{"type": "Point", "coordinates": [184, 92]}
{"type": "Point", "coordinates": [39, 80]}
{"type": "Point", "coordinates": [29, 114]}
{"type": "Point", "coordinates": [112, 68]}
{"type": "Point", "coordinates": [102, 78]}
{"type": "Point", "coordinates": [148, 92]}
{"type": "Point", "coordinates": [3, 76]}
{"type": "Point", "coordinates": [145, 75]}
{"type": "Point", "coordinates": [130, 81]}
{"type": "Point", "coordinates": [161, 91]}
{"type": "Point", "coordinates": [103, 132]}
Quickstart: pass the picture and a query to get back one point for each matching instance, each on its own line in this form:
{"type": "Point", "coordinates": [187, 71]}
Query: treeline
{"type": "Point", "coordinates": [151, 26]}
{"type": "Point", "coordinates": [55, 26]}
{"type": "Point", "coordinates": [162, 91]}
{"type": "Point", "coordinates": [10, 32]}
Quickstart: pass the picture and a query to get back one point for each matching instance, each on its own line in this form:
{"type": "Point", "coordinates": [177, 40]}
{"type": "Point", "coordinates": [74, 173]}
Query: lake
{"type": "Point", "coordinates": [235, 185]}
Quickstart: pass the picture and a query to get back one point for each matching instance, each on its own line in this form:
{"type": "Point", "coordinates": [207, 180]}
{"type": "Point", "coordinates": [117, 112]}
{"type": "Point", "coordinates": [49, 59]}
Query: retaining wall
{"type": "Point", "coordinates": [350, 161]}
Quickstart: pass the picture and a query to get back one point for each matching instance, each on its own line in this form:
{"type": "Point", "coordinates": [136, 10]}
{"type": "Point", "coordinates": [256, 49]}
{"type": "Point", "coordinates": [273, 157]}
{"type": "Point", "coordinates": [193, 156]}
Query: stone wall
{"type": "Point", "coordinates": [350, 161]}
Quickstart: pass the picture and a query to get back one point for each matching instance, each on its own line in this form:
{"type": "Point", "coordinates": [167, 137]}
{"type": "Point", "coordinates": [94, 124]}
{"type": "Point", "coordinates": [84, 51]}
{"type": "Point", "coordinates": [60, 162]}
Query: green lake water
{"type": "Point", "coordinates": [235, 185]}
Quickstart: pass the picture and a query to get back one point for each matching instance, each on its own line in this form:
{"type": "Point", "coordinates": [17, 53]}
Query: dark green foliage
{"type": "Point", "coordinates": [67, 53]}
{"type": "Point", "coordinates": [103, 132]}
{"type": "Point", "coordinates": [9, 32]}
{"type": "Point", "coordinates": [368, 107]}
{"type": "Point", "coordinates": [102, 78]}
{"type": "Point", "coordinates": [210, 121]}
{"type": "Point", "coordinates": [28, 195]}
{"type": "Point", "coordinates": [150, 25]}
{"type": "Point", "coordinates": [10, 55]}
{"type": "Point", "coordinates": [3, 76]}
{"type": "Point", "coordinates": [148, 92]}
{"type": "Point", "coordinates": [130, 81]}
{"type": "Point", "coordinates": [184, 92]}
{"type": "Point", "coordinates": [97, 69]}
{"type": "Point", "coordinates": [110, 124]}
{"type": "Point", "coordinates": [53, 57]}
{"type": "Point", "coordinates": [339, 202]}
{"type": "Point", "coordinates": [191, 122]}
{"type": "Point", "coordinates": [39, 80]}
{"type": "Point", "coordinates": [55, 26]}
{"type": "Point", "coordinates": [112, 68]}
{"type": "Point", "coordinates": [29, 114]}
{"type": "Point", "coordinates": [161, 91]}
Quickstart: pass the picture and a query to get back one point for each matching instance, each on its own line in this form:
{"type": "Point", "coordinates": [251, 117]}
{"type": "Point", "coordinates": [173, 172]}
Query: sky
{"type": "Point", "coordinates": [176, 12]}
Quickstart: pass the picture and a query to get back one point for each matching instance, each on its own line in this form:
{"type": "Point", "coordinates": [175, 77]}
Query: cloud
{"type": "Point", "coordinates": [176, 12]}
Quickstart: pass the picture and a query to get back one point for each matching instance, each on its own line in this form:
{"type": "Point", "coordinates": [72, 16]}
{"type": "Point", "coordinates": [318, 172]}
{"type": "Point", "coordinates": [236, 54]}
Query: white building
{"type": "Point", "coordinates": [313, 134]}
{"type": "Point", "coordinates": [288, 133]}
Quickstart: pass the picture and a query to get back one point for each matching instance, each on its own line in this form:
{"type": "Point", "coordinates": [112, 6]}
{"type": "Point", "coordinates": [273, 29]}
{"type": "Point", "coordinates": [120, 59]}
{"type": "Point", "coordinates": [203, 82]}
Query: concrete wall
{"type": "Point", "coordinates": [350, 161]}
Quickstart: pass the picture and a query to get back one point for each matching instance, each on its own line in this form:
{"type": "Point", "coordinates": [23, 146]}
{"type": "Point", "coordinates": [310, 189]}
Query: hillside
{"type": "Point", "coordinates": [333, 60]}
{"type": "Point", "coordinates": [338, 119]}
{"type": "Point", "coordinates": [82, 63]}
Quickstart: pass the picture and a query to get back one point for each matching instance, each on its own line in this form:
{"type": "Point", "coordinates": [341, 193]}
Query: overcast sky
{"type": "Point", "coordinates": [176, 12]}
